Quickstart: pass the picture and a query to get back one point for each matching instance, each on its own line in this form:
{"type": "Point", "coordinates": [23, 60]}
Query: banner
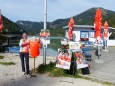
{"type": "Point", "coordinates": [63, 59]}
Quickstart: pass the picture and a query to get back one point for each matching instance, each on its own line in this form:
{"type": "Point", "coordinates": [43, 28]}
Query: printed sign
{"type": "Point", "coordinates": [80, 64]}
{"type": "Point", "coordinates": [44, 33]}
{"type": "Point", "coordinates": [63, 59]}
{"type": "Point", "coordinates": [84, 34]}
{"type": "Point", "coordinates": [64, 42]}
{"type": "Point", "coordinates": [45, 41]}
{"type": "Point", "coordinates": [74, 45]}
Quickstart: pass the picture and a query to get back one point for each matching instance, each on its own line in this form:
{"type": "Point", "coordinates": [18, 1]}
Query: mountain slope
{"type": "Point", "coordinates": [84, 18]}
{"type": "Point", "coordinates": [32, 27]}
{"type": "Point", "coordinates": [9, 28]}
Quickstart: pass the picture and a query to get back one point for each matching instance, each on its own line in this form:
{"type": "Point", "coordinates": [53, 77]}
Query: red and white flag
{"type": "Point", "coordinates": [71, 26]}
{"type": "Point", "coordinates": [1, 22]}
{"type": "Point", "coordinates": [98, 24]}
{"type": "Point", "coordinates": [106, 30]}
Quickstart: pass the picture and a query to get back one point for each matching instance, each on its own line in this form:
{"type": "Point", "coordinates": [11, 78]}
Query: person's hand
{"type": "Point", "coordinates": [24, 40]}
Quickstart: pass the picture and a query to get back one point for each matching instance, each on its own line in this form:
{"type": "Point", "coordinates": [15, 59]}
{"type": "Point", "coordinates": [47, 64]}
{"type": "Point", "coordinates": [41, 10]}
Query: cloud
{"type": "Point", "coordinates": [33, 10]}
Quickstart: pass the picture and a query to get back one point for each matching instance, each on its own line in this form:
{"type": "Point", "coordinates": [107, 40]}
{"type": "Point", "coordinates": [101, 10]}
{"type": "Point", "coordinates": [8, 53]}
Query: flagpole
{"type": "Point", "coordinates": [0, 12]}
{"type": "Point", "coordinates": [45, 27]}
{"type": "Point", "coordinates": [45, 14]}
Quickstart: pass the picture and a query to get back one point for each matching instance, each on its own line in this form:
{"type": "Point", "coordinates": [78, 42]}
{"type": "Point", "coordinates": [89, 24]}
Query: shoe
{"type": "Point", "coordinates": [23, 73]}
{"type": "Point", "coordinates": [28, 76]}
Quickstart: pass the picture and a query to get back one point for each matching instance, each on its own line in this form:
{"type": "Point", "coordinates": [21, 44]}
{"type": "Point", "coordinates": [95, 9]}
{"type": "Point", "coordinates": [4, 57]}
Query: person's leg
{"type": "Point", "coordinates": [27, 62]}
{"type": "Point", "coordinates": [22, 61]}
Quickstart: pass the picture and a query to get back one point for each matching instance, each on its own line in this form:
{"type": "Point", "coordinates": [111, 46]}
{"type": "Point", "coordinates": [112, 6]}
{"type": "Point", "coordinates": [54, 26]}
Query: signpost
{"type": "Point", "coordinates": [44, 34]}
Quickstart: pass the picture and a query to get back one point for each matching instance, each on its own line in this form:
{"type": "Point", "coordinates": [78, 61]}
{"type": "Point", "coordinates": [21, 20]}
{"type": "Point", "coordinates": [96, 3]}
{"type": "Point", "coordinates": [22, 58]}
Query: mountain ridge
{"type": "Point", "coordinates": [84, 18]}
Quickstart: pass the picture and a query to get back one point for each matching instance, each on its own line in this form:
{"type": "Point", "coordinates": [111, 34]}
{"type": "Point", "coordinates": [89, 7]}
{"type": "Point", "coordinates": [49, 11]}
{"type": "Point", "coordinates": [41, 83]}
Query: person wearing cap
{"type": "Point", "coordinates": [24, 54]}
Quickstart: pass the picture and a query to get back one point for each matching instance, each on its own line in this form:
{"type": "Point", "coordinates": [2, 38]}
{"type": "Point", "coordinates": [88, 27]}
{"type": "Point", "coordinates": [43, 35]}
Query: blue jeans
{"type": "Point", "coordinates": [25, 62]}
{"type": "Point", "coordinates": [105, 43]}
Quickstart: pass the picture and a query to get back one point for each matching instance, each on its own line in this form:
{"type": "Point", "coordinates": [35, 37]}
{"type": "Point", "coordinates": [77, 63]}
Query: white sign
{"type": "Point", "coordinates": [45, 41]}
{"type": "Point", "coordinates": [64, 42]}
{"type": "Point", "coordinates": [74, 45]}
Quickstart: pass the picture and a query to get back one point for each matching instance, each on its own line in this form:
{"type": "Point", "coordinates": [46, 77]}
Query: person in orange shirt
{"type": "Point", "coordinates": [24, 54]}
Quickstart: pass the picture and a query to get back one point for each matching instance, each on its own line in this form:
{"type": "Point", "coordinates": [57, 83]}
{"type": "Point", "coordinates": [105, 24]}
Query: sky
{"type": "Point", "coordinates": [33, 10]}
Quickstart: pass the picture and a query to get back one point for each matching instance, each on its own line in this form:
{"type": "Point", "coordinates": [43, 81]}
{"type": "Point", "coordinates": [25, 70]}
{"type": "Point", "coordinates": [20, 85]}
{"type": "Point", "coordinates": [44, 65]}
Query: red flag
{"type": "Point", "coordinates": [71, 23]}
{"type": "Point", "coordinates": [1, 23]}
{"type": "Point", "coordinates": [106, 29]}
{"type": "Point", "coordinates": [98, 23]}
{"type": "Point", "coordinates": [98, 14]}
{"type": "Point", "coordinates": [71, 26]}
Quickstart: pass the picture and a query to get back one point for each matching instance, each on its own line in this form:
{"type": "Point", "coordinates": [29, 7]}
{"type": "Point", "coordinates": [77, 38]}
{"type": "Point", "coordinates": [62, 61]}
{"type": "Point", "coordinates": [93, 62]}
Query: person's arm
{"type": "Point", "coordinates": [21, 43]}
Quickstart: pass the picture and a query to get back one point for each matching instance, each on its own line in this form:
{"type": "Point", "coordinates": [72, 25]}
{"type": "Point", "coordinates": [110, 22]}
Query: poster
{"type": "Point", "coordinates": [80, 64]}
{"type": "Point", "coordinates": [63, 60]}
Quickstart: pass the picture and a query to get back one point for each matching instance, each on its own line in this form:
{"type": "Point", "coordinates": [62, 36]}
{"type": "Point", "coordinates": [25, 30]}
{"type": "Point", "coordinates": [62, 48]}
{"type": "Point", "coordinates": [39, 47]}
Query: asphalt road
{"type": "Point", "coordinates": [104, 68]}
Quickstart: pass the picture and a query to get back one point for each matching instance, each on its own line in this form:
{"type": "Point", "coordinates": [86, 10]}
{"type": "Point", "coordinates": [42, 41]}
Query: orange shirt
{"type": "Point", "coordinates": [34, 48]}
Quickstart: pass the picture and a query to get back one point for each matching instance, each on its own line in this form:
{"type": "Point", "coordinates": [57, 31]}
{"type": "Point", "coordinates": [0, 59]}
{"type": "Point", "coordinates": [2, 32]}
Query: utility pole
{"type": "Point", "coordinates": [45, 27]}
{"type": "Point", "coordinates": [45, 14]}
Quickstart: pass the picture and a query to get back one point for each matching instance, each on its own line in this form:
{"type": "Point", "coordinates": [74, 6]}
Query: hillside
{"type": "Point", "coordinates": [9, 28]}
{"type": "Point", "coordinates": [84, 18]}
{"type": "Point", "coordinates": [111, 21]}
{"type": "Point", "coordinates": [31, 27]}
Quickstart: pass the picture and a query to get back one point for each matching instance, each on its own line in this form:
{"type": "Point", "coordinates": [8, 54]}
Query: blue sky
{"type": "Point", "coordinates": [33, 10]}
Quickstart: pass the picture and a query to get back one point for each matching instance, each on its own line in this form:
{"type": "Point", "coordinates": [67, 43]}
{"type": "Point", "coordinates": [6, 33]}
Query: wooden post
{"type": "Point", "coordinates": [34, 63]}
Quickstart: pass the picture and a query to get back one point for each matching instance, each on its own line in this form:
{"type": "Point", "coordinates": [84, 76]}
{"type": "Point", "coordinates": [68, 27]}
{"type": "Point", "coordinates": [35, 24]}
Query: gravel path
{"type": "Point", "coordinates": [12, 75]}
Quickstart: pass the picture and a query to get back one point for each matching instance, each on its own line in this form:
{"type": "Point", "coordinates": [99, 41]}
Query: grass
{"type": "Point", "coordinates": [7, 63]}
{"type": "Point", "coordinates": [52, 70]}
{"type": "Point", "coordinates": [45, 68]}
{"type": "Point", "coordinates": [1, 57]}
{"type": "Point", "coordinates": [57, 72]}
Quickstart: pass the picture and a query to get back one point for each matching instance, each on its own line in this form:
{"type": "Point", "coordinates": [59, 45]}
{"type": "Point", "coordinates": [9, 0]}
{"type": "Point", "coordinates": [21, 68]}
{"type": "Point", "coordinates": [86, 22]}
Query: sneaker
{"type": "Point", "coordinates": [28, 76]}
{"type": "Point", "coordinates": [23, 73]}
